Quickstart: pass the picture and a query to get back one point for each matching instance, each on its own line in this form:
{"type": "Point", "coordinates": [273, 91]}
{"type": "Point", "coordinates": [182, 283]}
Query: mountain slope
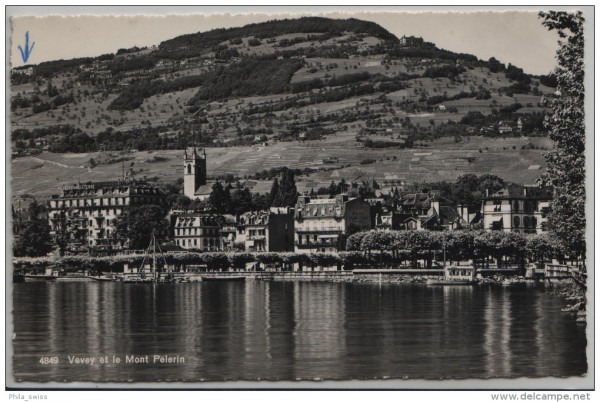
{"type": "Point", "coordinates": [285, 80]}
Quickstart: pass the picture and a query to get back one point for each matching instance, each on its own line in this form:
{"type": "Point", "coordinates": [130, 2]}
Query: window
{"type": "Point", "coordinates": [516, 221]}
{"type": "Point", "coordinates": [189, 169]}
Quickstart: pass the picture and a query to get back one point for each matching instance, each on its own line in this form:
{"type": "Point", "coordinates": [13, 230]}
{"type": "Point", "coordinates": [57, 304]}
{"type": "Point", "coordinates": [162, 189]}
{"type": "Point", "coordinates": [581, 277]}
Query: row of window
{"type": "Point", "coordinates": [256, 232]}
{"type": "Point", "coordinates": [212, 243]}
{"type": "Point", "coordinates": [197, 231]}
{"type": "Point", "coordinates": [89, 202]}
{"type": "Point", "coordinates": [528, 222]}
{"type": "Point", "coordinates": [99, 202]}
{"type": "Point", "coordinates": [313, 239]}
{"type": "Point", "coordinates": [528, 205]}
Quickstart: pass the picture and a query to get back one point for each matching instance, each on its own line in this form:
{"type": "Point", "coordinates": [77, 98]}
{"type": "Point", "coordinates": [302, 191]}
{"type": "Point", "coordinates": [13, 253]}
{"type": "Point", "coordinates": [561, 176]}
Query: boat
{"type": "Point", "coordinates": [147, 273]}
{"type": "Point", "coordinates": [103, 278]}
{"type": "Point", "coordinates": [37, 278]}
{"type": "Point", "coordinates": [50, 274]}
{"type": "Point", "coordinates": [456, 275]}
{"type": "Point", "coordinates": [223, 278]}
{"type": "Point", "coordinates": [74, 278]}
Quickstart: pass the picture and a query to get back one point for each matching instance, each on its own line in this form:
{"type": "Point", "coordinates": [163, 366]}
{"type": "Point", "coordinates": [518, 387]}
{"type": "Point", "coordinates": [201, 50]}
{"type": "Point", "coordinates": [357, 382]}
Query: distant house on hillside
{"type": "Point", "coordinates": [23, 70]}
{"type": "Point", "coordinates": [411, 41]}
{"type": "Point", "coordinates": [505, 128]}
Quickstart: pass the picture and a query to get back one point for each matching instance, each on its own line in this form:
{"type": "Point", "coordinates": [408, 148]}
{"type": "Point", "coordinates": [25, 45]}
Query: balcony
{"type": "Point", "coordinates": [319, 231]}
{"type": "Point", "coordinates": [313, 244]}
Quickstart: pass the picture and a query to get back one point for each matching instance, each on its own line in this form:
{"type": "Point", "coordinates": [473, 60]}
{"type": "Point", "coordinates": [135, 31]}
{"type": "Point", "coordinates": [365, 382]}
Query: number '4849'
{"type": "Point", "coordinates": [49, 360]}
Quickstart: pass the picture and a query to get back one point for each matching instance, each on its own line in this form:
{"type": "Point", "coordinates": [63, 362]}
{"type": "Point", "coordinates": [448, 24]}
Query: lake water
{"type": "Point", "coordinates": [291, 330]}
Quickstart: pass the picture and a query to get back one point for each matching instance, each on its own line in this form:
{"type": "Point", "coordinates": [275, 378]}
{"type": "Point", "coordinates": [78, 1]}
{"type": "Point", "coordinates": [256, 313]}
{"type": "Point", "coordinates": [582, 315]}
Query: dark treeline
{"type": "Point", "coordinates": [133, 97]}
{"type": "Point", "coordinates": [252, 76]}
{"type": "Point", "coordinates": [195, 44]}
{"type": "Point", "coordinates": [113, 140]}
{"type": "Point", "coordinates": [310, 38]}
{"type": "Point", "coordinates": [445, 71]}
{"type": "Point", "coordinates": [122, 64]}
{"type": "Point", "coordinates": [25, 134]}
{"type": "Point", "coordinates": [348, 79]}
{"type": "Point", "coordinates": [49, 69]}
{"type": "Point", "coordinates": [378, 83]}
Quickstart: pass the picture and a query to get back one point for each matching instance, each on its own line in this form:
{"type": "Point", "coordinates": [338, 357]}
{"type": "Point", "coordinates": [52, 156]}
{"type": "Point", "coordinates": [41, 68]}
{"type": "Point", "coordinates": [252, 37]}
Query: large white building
{"type": "Point", "coordinates": [321, 223]}
{"type": "Point", "coordinates": [196, 231]}
{"type": "Point", "coordinates": [88, 212]}
{"type": "Point", "coordinates": [514, 208]}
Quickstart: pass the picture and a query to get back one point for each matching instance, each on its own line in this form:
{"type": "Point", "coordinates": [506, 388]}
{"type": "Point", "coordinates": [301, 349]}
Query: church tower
{"type": "Point", "coordinates": [194, 174]}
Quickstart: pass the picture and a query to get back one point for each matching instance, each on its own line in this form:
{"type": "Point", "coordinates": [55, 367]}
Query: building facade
{"type": "Point", "coordinates": [321, 225]}
{"type": "Point", "coordinates": [271, 230]}
{"type": "Point", "coordinates": [430, 211]}
{"type": "Point", "coordinates": [197, 231]}
{"type": "Point", "coordinates": [514, 208]}
{"type": "Point", "coordinates": [87, 213]}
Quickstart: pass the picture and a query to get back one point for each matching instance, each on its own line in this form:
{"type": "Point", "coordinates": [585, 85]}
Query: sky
{"type": "Point", "coordinates": [515, 37]}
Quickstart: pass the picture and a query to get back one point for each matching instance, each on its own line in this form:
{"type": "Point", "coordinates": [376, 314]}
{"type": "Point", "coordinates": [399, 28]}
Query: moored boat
{"type": "Point", "coordinates": [37, 278]}
{"type": "Point", "coordinates": [147, 273]}
{"type": "Point", "coordinates": [456, 275]}
{"type": "Point", "coordinates": [49, 274]}
{"type": "Point", "coordinates": [223, 278]}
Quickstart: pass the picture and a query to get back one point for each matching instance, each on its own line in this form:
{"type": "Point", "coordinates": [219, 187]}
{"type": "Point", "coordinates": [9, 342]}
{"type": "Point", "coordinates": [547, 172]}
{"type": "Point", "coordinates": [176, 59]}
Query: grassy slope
{"type": "Point", "coordinates": [43, 175]}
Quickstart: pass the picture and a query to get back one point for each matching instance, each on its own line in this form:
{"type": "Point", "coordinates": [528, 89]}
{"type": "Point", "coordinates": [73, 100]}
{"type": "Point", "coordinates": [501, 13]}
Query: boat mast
{"type": "Point", "coordinates": [153, 257]}
{"type": "Point", "coordinates": [444, 247]}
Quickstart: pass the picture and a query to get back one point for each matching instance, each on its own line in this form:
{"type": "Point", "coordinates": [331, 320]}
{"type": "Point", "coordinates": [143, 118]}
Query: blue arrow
{"type": "Point", "coordinates": [27, 52]}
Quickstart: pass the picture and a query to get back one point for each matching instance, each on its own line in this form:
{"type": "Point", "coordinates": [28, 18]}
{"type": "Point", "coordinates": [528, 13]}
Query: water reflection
{"type": "Point", "coordinates": [290, 330]}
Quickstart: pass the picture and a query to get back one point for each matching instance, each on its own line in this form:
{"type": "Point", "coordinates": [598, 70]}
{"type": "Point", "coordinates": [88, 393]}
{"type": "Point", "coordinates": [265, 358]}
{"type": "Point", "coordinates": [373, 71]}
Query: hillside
{"type": "Point", "coordinates": [285, 84]}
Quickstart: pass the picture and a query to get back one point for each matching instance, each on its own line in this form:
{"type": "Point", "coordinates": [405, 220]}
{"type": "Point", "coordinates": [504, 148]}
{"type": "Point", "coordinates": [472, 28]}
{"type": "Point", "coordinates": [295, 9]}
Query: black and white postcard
{"type": "Point", "coordinates": [262, 197]}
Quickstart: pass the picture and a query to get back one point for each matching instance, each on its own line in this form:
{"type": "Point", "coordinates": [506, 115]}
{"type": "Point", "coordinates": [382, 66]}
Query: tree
{"type": "Point", "coordinates": [241, 201]}
{"type": "Point", "coordinates": [540, 247]}
{"type": "Point", "coordinates": [274, 191]}
{"type": "Point", "coordinates": [62, 233]}
{"type": "Point", "coordinates": [220, 198]}
{"type": "Point", "coordinates": [33, 239]}
{"type": "Point", "coordinates": [138, 224]}
{"type": "Point", "coordinates": [287, 194]}
{"type": "Point", "coordinates": [565, 126]}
